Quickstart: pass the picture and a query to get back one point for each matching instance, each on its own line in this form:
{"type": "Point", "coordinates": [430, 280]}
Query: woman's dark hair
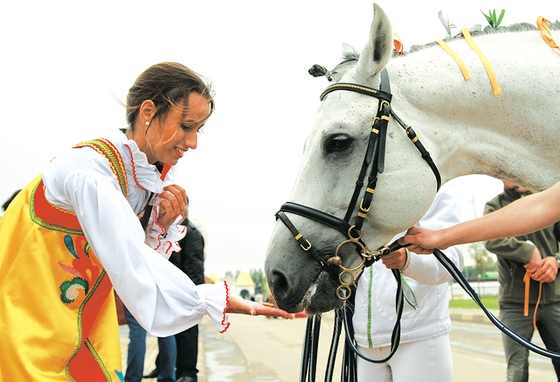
{"type": "Point", "coordinates": [10, 199]}
{"type": "Point", "coordinates": [166, 84]}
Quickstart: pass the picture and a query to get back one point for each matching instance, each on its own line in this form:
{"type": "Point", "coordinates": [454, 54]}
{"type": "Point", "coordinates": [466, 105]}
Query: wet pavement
{"type": "Point", "coordinates": [222, 360]}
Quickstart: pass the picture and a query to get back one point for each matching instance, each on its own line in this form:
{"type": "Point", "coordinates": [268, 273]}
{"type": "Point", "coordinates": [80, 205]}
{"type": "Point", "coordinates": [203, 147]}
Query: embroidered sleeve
{"type": "Point", "coordinates": [165, 243]}
{"type": "Point", "coordinates": [215, 304]}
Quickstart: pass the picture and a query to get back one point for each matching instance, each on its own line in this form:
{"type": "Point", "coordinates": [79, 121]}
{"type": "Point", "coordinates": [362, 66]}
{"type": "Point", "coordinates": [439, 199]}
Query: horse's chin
{"type": "Point", "coordinates": [320, 297]}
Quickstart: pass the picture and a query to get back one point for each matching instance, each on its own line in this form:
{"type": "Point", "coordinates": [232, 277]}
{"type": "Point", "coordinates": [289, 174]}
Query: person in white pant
{"type": "Point", "coordinates": [424, 352]}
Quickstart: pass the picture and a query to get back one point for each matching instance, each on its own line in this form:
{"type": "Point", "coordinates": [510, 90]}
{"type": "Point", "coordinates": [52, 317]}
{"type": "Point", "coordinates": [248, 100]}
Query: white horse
{"type": "Point", "coordinates": [467, 129]}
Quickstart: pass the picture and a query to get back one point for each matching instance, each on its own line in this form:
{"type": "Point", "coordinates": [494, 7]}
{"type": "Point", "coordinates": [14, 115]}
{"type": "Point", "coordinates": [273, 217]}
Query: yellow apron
{"type": "Point", "coordinates": [58, 318]}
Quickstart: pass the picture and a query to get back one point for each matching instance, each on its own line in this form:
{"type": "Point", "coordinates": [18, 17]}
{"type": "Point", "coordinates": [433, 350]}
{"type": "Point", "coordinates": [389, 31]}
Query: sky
{"type": "Point", "coordinates": [67, 64]}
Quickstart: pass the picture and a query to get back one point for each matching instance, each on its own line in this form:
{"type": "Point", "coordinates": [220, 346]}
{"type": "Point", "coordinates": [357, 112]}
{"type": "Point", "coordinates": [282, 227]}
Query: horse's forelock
{"type": "Point", "coordinates": [348, 60]}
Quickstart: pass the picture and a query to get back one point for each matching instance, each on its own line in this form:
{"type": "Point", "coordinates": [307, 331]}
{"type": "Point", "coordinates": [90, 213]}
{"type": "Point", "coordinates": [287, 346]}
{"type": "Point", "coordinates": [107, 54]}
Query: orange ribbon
{"type": "Point", "coordinates": [397, 44]}
{"type": "Point", "coordinates": [546, 34]}
{"type": "Point", "coordinates": [527, 281]}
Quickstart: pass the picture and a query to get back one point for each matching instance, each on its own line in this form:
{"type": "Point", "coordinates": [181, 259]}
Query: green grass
{"type": "Point", "coordinates": [490, 302]}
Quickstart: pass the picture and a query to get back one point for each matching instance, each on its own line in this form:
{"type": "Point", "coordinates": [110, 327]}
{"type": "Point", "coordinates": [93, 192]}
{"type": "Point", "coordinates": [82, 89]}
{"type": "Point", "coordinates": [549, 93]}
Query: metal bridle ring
{"type": "Point", "coordinates": [355, 239]}
{"type": "Point", "coordinates": [348, 292]}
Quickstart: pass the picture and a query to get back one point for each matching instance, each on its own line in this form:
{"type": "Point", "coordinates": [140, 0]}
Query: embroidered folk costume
{"type": "Point", "coordinates": [70, 236]}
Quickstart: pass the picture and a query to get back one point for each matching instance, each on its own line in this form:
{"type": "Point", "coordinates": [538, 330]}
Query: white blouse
{"type": "Point", "coordinates": [161, 297]}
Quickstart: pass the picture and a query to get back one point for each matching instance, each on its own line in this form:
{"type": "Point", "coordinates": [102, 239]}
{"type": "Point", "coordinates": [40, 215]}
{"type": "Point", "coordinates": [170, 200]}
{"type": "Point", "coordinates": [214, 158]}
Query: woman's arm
{"type": "Point", "coordinates": [161, 297]}
{"type": "Point", "coordinates": [525, 215]}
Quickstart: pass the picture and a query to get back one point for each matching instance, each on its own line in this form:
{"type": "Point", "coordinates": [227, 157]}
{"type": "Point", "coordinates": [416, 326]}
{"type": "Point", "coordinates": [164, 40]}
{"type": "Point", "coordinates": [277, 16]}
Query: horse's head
{"type": "Point", "coordinates": [303, 270]}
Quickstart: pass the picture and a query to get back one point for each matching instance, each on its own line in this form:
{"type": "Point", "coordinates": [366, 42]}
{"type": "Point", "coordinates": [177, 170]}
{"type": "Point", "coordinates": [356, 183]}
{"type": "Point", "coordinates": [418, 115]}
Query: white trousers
{"type": "Point", "coordinates": [428, 360]}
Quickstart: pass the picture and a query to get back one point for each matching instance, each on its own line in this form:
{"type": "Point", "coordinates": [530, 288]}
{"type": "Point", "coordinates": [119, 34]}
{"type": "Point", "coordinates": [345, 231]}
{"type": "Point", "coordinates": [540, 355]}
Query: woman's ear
{"type": "Point", "coordinates": [147, 111]}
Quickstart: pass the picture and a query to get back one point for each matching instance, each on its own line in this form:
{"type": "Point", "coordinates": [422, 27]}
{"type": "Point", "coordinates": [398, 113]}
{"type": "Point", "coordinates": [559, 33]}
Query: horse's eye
{"type": "Point", "coordinates": [337, 143]}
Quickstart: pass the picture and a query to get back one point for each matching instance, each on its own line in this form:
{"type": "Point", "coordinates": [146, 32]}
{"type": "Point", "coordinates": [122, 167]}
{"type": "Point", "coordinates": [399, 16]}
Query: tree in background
{"type": "Point", "coordinates": [258, 278]}
{"type": "Point", "coordinates": [230, 275]}
{"type": "Point", "coordinates": [483, 261]}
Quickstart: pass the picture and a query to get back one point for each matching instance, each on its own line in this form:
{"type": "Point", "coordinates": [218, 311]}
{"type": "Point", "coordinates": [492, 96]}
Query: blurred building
{"type": "Point", "coordinates": [243, 285]}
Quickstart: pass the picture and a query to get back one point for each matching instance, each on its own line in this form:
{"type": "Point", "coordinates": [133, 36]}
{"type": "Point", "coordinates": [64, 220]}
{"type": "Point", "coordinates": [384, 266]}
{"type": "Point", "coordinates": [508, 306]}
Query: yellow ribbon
{"type": "Point", "coordinates": [546, 34]}
{"type": "Point", "coordinates": [460, 63]}
{"type": "Point", "coordinates": [491, 76]}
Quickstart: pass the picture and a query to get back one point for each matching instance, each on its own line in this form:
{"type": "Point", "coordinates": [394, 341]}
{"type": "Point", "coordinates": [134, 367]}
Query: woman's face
{"type": "Point", "coordinates": [169, 137]}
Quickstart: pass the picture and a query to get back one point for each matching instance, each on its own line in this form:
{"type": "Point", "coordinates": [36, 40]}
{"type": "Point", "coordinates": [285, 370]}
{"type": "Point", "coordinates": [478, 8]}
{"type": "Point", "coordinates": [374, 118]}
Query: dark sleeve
{"type": "Point", "coordinates": [191, 257]}
{"type": "Point", "coordinates": [557, 231]}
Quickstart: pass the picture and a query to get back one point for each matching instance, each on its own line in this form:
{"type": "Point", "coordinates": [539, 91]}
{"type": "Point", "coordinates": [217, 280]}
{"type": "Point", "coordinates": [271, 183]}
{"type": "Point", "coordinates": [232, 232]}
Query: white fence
{"type": "Point", "coordinates": [481, 287]}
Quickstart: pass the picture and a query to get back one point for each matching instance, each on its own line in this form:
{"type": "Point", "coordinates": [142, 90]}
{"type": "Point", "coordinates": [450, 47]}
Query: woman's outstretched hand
{"type": "Point", "coordinates": [253, 308]}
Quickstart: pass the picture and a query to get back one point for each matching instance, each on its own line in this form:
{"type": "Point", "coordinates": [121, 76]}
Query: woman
{"type": "Point", "coordinates": [74, 233]}
{"type": "Point", "coordinates": [424, 352]}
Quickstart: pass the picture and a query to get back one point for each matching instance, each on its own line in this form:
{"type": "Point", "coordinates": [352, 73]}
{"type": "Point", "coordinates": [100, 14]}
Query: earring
{"type": "Point", "coordinates": [147, 123]}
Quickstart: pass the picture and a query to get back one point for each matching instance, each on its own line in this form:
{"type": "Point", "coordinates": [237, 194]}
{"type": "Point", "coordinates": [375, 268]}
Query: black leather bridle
{"type": "Point", "coordinates": [374, 161]}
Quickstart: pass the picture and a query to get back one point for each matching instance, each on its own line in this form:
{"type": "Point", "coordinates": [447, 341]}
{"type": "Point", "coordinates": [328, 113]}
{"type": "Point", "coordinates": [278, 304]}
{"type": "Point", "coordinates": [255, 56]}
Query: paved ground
{"type": "Point", "coordinates": [220, 359]}
{"type": "Point", "coordinates": [152, 351]}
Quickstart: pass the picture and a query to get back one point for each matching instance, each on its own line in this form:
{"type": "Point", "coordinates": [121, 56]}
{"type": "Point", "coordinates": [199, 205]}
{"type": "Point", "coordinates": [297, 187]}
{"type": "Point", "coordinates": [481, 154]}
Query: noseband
{"type": "Point", "coordinates": [374, 160]}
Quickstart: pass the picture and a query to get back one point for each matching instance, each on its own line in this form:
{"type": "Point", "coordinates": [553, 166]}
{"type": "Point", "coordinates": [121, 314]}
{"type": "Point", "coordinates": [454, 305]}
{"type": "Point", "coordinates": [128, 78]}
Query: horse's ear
{"type": "Point", "coordinates": [348, 50]}
{"type": "Point", "coordinates": [379, 47]}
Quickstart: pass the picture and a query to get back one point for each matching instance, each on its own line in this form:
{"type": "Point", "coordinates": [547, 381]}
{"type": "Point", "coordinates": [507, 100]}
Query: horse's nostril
{"type": "Point", "coordinates": [278, 284]}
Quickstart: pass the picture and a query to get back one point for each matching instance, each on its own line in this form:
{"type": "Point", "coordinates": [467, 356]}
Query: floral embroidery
{"type": "Point", "coordinates": [108, 150]}
{"type": "Point", "coordinates": [82, 268]}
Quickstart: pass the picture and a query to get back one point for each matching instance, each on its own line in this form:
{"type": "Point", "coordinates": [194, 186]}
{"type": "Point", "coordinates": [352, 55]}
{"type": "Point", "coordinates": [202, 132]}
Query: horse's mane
{"type": "Point", "coordinates": [350, 56]}
{"type": "Point", "coordinates": [518, 27]}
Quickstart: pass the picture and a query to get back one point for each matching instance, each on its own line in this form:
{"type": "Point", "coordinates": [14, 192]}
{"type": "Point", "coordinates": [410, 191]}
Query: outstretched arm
{"type": "Point", "coordinates": [525, 215]}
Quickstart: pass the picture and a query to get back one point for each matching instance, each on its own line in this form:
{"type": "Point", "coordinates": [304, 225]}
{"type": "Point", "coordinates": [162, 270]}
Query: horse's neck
{"type": "Point", "coordinates": [512, 136]}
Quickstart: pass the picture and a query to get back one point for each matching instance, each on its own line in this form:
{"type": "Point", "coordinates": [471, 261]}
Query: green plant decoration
{"type": "Point", "coordinates": [491, 17]}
